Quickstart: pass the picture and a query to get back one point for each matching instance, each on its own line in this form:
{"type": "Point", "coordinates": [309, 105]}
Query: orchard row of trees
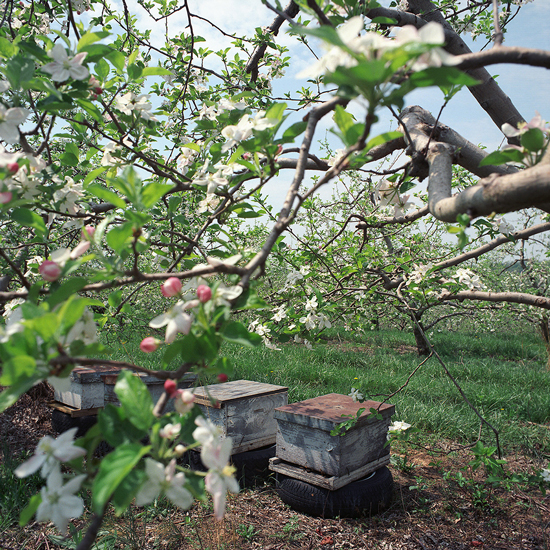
{"type": "Point", "coordinates": [131, 169]}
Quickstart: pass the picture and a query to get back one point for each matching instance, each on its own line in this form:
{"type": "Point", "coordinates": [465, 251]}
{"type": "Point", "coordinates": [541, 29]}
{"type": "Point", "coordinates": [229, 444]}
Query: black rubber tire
{"type": "Point", "coordinates": [61, 422]}
{"type": "Point", "coordinates": [251, 466]}
{"type": "Point", "coordinates": [364, 497]}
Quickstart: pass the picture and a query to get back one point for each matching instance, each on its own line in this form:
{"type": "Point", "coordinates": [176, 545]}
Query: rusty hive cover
{"type": "Point", "coordinates": [326, 411]}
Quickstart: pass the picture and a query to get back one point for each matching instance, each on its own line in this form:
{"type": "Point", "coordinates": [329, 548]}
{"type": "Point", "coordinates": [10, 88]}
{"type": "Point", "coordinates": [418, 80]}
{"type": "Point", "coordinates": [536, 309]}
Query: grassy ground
{"type": "Point", "coordinates": [503, 375]}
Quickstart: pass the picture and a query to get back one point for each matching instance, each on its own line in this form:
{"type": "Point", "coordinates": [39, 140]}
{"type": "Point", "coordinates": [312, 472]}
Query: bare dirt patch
{"type": "Point", "coordinates": [428, 512]}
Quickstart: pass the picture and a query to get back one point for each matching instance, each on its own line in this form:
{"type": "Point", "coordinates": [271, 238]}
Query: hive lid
{"type": "Point", "coordinates": [326, 411]}
{"type": "Point", "coordinates": [234, 390]}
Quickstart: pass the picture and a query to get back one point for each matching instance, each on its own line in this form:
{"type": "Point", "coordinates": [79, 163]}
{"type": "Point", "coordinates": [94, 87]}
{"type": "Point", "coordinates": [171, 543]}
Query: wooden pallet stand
{"type": "Point", "coordinates": [331, 483]}
{"type": "Point", "coordinates": [244, 410]}
{"type": "Point", "coordinates": [304, 440]}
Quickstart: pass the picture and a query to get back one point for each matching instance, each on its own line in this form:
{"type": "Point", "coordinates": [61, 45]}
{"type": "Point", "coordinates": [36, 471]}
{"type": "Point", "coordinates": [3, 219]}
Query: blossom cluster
{"type": "Point", "coordinates": [372, 45]}
{"type": "Point", "coordinates": [59, 501]}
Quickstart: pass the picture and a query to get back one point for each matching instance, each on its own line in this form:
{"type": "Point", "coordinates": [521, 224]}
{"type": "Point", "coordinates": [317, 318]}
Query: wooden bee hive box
{"type": "Point", "coordinates": [303, 435]}
{"type": "Point", "coordinates": [244, 410]}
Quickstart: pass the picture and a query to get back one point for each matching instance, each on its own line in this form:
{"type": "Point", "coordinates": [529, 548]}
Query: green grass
{"type": "Point", "coordinates": [503, 375]}
{"type": "Point", "coordinates": [14, 492]}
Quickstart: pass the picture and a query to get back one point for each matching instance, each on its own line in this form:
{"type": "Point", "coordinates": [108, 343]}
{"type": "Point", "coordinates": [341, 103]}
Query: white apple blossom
{"type": "Point", "coordinates": [9, 122]}
{"type": "Point", "coordinates": [469, 278]}
{"type": "Point", "coordinates": [234, 134]}
{"type": "Point", "coordinates": [398, 427]}
{"type": "Point", "coordinates": [63, 67]}
{"type": "Point", "coordinates": [356, 395]}
{"type": "Point", "coordinates": [170, 431]}
{"type": "Point", "coordinates": [219, 479]}
{"type": "Point", "coordinates": [49, 453]}
{"type": "Point", "coordinates": [324, 321]}
{"type": "Point", "coordinates": [260, 122]}
{"type": "Point", "coordinates": [206, 432]}
{"type": "Point", "coordinates": [4, 86]}
{"type": "Point", "coordinates": [279, 314]}
{"type": "Point", "coordinates": [311, 304]}
{"type": "Point", "coordinates": [129, 102]}
{"type": "Point", "coordinates": [208, 112]}
{"type": "Point", "coordinates": [176, 320]}
{"type": "Point", "coordinates": [504, 227]}
{"type": "Point", "coordinates": [59, 502]}
{"type": "Point", "coordinates": [85, 329]}
{"type": "Point", "coordinates": [68, 195]}
{"type": "Point", "coordinates": [212, 181]}
{"type": "Point", "coordinates": [310, 321]}
{"type": "Point", "coordinates": [536, 122]}
{"type": "Point", "coordinates": [418, 274]}
{"type": "Point", "coordinates": [209, 203]}
{"type": "Point", "coordinates": [161, 479]}
{"type": "Point", "coordinates": [545, 474]}
{"type": "Point", "coordinates": [433, 34]}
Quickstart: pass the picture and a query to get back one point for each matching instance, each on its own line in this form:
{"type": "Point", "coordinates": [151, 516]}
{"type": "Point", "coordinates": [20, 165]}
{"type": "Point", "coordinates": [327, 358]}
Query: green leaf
{"type": "Point", "coordinates": [383, 138]}
{"type": "Point", "coordinates": [90, 38]}
{"type": "Point", "coordinates": [115, 298]}
{"type": "Point", "coordinates": [292, 132]}
{"type": "Point", "coordinates": [155, 71]}
{"type": "Point", "coordinates": [325, 32]}
{"type": "Point", "coordinates": [28, 512]}
{"type": "Point", "coordinates": [238, 334]}
{"type": "Point", "coordinates": [118, 59]}
{"type": "Point", "coordinates": [153, 192]}
{"type": "Point", "coordinates": [67, 289]}
{"type": "Point", "coordinates": [28, 218]}
{"type": "Point", "coordinates": [68, 159]}
{"type": "Point", "coordinates": [113, 469]}
{"type": "Point", "coordinates": [106, 194]}
{"type": "Point", "coordinates": [442, 76]}
{"type": "Point", "coordinates": [10, 395]}
{"type": "Point", "coordinates": [17, 369]}
{"type": "Point", "coordinates": [249, 299]}
{"type": "Point", "coordinates": [116, 428]}
{"type": "Point", "coordinates": [172, 351]}
{"type": "Point", "coordinates": [501, 157]}
{"type": "Point", "coordinates": [7, 48]}
{"type": "Point", "coordinates": [533, 140]}
{"type": "Point", "coordinates": [102, 69]}
{"type": "Point", "coordinates": [134, 71]}
{"type": "Point", "coordinates": [92, 176]}
{"type": "Point", "coordinates": [127, 490]}
{"type": "Point", "coordinates": [135, 399]}
{"type": "Point", "coordinates": [118, 237]}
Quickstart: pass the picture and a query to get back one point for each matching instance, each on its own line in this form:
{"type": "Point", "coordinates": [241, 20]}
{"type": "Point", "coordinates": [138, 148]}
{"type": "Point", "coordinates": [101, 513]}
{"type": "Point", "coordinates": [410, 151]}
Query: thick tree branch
{"type": "Point", "coordinates": [511, 297]}
{"type": "Point", "coordinates": [488, 93]}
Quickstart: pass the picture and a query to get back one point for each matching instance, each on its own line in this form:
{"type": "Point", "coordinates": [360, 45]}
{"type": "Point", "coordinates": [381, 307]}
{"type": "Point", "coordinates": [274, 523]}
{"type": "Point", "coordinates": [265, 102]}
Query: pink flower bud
{"type": "Point", "coordinates": [171, 287]}
{"type": "Point", "coordinates": [88, 232]}
{"type": "Point", "coordinates": [149, 344]}
{"type": "Point", "coordinates": [170, 387]}
{"type": "Point", "coordinates": [49, 270]}
{"type": "Point", "coordinates": [204, 293]}
{"type": "Point", "coordinates": [5, 197]}
{"type": "Point", "coordinates": [98, 90]}
{"type": "Point", "coordinates": [222, 377]}
{"type": "Point", "coordinates": [80, 248]}
{"type": "Point", "coordinates": [13, 167]}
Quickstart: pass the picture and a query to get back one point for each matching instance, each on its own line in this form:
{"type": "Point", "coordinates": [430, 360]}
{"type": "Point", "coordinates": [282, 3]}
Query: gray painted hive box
{"type": "Point", "coordinates": [93, 387]}
{"type": "Point", "coordinates": [303, 434]}
{"type": "Point", "coordinates": [244, 410]}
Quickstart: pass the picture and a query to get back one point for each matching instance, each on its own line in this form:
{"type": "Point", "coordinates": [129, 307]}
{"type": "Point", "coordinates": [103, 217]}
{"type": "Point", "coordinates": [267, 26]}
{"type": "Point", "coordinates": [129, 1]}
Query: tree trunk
{"type": "Point", "coordinates": [421, 345]}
